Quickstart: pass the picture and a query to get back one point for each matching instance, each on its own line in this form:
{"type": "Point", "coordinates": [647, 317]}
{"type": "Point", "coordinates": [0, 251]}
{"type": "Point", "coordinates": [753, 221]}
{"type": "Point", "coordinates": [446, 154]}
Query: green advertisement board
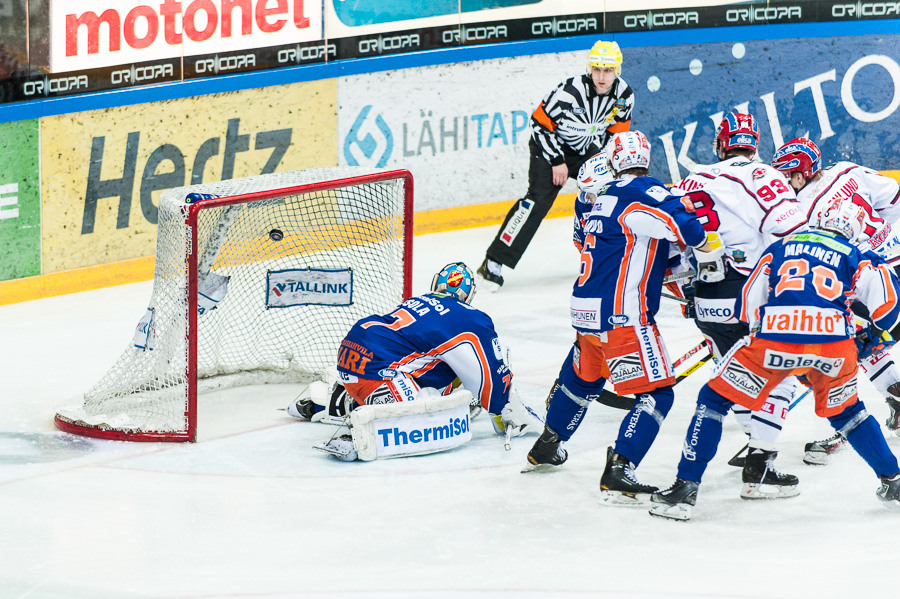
{"type": "Point", "coordinates": [20, 207]}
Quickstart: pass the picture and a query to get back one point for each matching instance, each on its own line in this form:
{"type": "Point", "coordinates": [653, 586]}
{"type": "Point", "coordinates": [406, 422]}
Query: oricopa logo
{"type": "Point", "coordinates": [367, 144]}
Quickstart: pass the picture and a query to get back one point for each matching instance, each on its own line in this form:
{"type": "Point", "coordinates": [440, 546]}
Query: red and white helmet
{"type": "Point", "coordinates": [737, 131]}
{"type": "Point", "coordinates": [627, 150]}
{"type": "Point", "coordinates": [594, 174]}
{"type": "Point", "coordinates": [844, 217]}
{"type": "Point", "coordinates": [799, 155]}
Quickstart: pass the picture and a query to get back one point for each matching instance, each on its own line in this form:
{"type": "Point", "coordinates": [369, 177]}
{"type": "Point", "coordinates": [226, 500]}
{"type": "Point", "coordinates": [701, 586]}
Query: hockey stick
{"type": "Point", "coordinates": [735, 461]}
{"type": "Point", "coordinates": [626, 402]}
{"type": "Point", "coordinates": [680, 276]}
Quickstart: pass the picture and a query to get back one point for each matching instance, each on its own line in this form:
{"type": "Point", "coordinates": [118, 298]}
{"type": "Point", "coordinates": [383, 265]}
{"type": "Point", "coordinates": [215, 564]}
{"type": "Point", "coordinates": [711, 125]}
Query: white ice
{"type": "Point", "coordinates": [252, 511]}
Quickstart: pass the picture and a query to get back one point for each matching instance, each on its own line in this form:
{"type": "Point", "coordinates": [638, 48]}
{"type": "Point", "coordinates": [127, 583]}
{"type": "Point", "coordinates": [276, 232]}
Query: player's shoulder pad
{"type": "Point", "coordinates": [652, 187]}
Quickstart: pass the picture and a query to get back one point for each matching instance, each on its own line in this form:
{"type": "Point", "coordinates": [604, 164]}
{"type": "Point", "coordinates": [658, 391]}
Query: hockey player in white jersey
{"type": "Point", "coordinates": [801, 162]}
{"type": "Point", "coordinates": [749, 205]}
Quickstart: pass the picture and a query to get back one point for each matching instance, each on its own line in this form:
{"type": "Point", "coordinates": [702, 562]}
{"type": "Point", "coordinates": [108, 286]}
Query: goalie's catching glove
{"type": "Point", "coordinates": [515, 419]}
{"type": "Point", "coordinates": [710, 262]}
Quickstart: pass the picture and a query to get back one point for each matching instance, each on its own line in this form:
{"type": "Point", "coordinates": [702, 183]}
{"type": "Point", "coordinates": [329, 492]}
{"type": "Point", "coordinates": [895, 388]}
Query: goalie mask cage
{"type": "Point", "coordinates": [258, 239]}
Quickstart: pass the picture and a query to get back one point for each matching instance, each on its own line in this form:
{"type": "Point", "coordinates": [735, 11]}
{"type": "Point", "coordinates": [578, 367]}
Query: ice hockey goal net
{"type": "Point", "coordinates": [257, 280]}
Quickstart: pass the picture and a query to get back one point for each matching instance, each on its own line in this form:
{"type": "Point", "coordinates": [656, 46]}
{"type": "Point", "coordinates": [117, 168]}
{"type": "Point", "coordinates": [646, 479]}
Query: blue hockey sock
{"type": "Point", "coordinates": [641, 425]}
{"type": "Point", "coordinates": [864, 434]}
{"type": "Point", "coordinates": [703, 434]}
{"type": "Point", "coordinates": [570, 399]}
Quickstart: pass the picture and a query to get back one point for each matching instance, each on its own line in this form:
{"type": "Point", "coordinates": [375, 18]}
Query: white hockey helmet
{"type": "Point", "coordinates": [594, 174]}
{"type": "Point", "coordinates": [845, 218]}
{"type": "Point", "coordinates": [605, 55]}
{"type": "Point", "coordinates": [627, 150]}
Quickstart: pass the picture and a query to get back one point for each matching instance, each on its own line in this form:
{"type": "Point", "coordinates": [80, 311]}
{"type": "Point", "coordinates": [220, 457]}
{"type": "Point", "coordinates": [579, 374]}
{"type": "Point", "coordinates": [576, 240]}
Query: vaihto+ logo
{"type": "Point", "coordinates": [367, 144]}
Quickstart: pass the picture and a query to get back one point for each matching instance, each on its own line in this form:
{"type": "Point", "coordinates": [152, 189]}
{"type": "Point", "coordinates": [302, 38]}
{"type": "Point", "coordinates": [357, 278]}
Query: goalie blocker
{"type": "Point", "coordinates": [431, 424]}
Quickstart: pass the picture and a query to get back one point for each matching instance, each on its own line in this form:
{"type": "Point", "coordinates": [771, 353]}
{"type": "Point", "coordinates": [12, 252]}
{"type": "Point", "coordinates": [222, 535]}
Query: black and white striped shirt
{"type": "Point", "coordinates": [574, 115]}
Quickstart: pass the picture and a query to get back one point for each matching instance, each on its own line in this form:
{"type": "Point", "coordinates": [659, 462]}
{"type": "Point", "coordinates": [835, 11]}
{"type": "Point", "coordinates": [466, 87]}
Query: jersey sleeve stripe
{"type": "Point", "coordinates": [751, 280]}
{"type": "Point", "coordinates": [541, 117]}
{"type": "Point", "coordinates": [890, 294]}
{"type": "Point", "coordinates": [661, 215]}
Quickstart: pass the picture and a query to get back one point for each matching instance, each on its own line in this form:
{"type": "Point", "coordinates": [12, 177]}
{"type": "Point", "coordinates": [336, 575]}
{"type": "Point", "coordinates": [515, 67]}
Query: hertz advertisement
{"type": "Point", "coordinates": [103, 171]}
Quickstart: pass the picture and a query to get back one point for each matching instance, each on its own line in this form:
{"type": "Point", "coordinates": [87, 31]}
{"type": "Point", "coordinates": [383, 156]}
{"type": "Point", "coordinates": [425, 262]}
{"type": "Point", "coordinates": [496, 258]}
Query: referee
{"type": "Point", "coordinates": [570, 125]}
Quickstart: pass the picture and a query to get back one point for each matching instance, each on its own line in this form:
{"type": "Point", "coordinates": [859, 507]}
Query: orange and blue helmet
{"type": "Point", "coordinates": [455, 279]}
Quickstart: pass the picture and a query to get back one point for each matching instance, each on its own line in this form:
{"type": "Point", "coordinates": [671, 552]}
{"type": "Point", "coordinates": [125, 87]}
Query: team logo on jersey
{"type": "Point", "coordinates": [387, 373]}
{"type": "Point", "coordinates": [618, 319]}
{"type": "Point", "coordinates": [759, 173]}
{"type": "Point", "coordinates": [578, 110]}
{"type": "Point", "coordinates": [738, 376]}
{"type": "Point", "coordinates": [515, 223]}
{"type": "Point", "coordinates": [624, 368]}
{"type": "Point", "coordinates": [788, 361]}
{"type": "Point", "coordinates": [843, 393]}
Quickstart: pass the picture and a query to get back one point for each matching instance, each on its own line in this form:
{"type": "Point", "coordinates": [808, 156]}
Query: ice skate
{"type": "Point", "coordinates": [547, 453]}
{"type": "Point", "coordinates": [889, 492]}
{"type": "Point", "coordinates": [490, 273]}
{"type": "Point", "coordinates": [340, 447]}
{"type": "Point", "coordinates": [818, 453]}
{"type": "Point", "coordinates": [620, 486]}
{"type": "Point", "coordinates": [763, 481]}
{"type": "Point", "coordinates": [676, 502]}
{"type": "Point", "coordinates": [304, 409]}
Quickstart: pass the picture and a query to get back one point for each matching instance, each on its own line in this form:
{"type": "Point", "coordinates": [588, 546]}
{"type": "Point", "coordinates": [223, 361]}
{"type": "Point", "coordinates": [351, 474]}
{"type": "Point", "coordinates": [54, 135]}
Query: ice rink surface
{"type": "Point", "coordinates": [252, 511]}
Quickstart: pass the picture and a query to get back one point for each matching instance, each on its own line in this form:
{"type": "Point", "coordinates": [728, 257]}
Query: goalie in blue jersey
{"type": "Point", "coordinates": [424, 348]}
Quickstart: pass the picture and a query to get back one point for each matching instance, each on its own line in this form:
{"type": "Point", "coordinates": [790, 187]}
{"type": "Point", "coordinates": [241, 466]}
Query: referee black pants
{"type": "Point", "coordinates": [525, 216]}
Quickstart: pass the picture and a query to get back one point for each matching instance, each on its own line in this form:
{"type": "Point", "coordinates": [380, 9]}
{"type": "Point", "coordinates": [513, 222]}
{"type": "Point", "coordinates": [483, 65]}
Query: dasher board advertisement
{"type": "Point", "coordinates": [91, 34]}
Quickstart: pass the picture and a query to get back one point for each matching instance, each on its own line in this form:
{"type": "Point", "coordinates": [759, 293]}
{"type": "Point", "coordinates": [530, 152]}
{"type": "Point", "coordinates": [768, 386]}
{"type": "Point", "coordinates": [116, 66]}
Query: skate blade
{"type": "Point", "coordinates": [340, 453]}
{"type": "Point", "coordinates": [619, 499]}
{"type": "Point", "coordinates": [760, 491]}
{"type": "Point", "coordinates": [679, 512]}
{"type": "Point", "coordinates": [485, 285]}
{"type": "Point", "coordinates": [539, 468]}
{"type": "Point", "coordinates": [816, 459]}
{"type": "Point", "coordinates": [891, 504]}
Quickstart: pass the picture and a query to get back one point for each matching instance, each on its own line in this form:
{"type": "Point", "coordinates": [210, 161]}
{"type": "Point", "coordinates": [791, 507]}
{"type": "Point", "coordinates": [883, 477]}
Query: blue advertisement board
{"type": "Point", "coordinates": [842, 92]}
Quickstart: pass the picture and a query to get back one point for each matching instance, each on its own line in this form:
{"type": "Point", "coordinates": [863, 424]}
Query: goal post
{"type": "Point", "coordinates": [257, 280]}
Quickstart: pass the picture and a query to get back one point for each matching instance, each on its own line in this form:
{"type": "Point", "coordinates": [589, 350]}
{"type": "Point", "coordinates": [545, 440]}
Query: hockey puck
{"type": "Point", "coordinates": [276, 235]}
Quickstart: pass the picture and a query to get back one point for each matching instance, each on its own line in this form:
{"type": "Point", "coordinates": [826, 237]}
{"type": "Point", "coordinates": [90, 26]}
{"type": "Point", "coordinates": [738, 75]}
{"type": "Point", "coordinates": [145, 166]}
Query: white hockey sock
{"type": "Point", "coordinates": [766, 423]}
{"type": "Point", "coordinates": [881, 370]}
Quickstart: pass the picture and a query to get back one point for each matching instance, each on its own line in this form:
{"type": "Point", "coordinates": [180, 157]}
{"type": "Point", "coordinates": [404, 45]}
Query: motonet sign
{"type": "Point", "coordinates": [87, 34]}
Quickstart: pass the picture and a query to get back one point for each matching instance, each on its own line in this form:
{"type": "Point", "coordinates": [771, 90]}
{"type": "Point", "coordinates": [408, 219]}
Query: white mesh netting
{"type": "Point", "coordinates": [242, 341]}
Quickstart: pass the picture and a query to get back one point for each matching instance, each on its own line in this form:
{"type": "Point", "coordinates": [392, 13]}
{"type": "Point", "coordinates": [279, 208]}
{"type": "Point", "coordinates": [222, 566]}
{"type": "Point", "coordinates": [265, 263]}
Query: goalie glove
{"type": "Point", "coordinates": [515, 419]}
{"type": "Point", "coordinates": [711, 263]}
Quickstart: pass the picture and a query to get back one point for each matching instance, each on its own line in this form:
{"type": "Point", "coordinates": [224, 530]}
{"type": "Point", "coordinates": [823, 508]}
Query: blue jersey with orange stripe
{"type": "Point", "coordinates": [803, 285]}
{"type": "Point", "coordinates": [625, 253]}
{"type": "Point", "coordinates": [435, 338]}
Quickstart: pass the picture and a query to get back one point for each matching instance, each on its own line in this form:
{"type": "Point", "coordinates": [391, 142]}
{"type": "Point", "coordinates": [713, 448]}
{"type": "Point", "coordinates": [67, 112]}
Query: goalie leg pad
{"type": "Point", "coordinates": [431, 424]}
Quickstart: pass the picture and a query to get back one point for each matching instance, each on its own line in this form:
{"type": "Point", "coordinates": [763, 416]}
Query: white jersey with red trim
{"type": "Point", "coordinates": [877, 194]}
{"type": "Point", "coordinates": [626, 253]}
{"type": "Point", "coordinates": [749, 204]}
{"type": "Point", "coordinates": [435, 338]}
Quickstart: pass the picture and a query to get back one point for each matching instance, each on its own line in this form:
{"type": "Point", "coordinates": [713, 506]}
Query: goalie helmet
{"type": "Point", "coordinates": [594, 174]}
{"type": "Point", "coordinates": [605, 55]}
{"type": "Point", "coordinates": [800, 155]}
{"type": "Point", "coordinates": [455, 279]}
{"type": "Point", "coordinates": [737, 131]}
{"type": "Point", "coordinates": [627, 150]}
{"type": "Point", "coordinates": [845, 218]}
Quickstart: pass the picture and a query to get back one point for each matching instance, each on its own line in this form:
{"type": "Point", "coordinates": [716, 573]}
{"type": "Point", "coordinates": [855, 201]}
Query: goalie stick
{"type": "Point", "coordinates": [626, 402]}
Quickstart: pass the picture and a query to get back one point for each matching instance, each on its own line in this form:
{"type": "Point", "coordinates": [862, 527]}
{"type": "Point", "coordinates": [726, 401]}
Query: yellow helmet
{"type": "Point", "coordinates": [605, 54]}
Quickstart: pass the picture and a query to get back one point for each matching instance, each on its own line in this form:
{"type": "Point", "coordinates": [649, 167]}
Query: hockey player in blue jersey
{"type": "Point", "coordinates": [798, 301]}
{"type": "Point", "coordinates": [627, 237]}
{"type": "Point", "coordinates": [428, 341]}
